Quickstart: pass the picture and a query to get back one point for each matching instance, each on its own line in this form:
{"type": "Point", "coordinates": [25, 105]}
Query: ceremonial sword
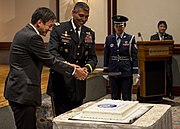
{"type": "Point", "coordinates": [101, 73]}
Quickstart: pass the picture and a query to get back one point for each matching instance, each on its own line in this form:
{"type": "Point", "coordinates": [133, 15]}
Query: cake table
{"type": "Point", "coordinates": [158, 117]}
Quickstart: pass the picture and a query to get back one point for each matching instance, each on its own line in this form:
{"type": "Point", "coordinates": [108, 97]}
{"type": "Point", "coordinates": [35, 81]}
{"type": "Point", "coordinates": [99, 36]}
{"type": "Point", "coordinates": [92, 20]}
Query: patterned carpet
{"type": "Point", "coordinates": [175, 112]}
{"type": "Point", "coordinates": [45, 114]}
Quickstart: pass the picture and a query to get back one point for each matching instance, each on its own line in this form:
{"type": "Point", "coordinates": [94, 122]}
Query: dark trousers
{"type": "Point", "coordinates": [24, 115]}
{"type": "Point", "coordinates": [60, 107]}
{"type": "Point", "coordinates": [121, 85]}
{"type": "Point", "coordinates": [169, 77]}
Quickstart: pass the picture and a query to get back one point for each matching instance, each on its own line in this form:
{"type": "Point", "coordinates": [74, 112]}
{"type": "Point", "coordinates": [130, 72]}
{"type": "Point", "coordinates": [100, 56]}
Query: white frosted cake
{"type": "Point", "coordinates": [108, 109]}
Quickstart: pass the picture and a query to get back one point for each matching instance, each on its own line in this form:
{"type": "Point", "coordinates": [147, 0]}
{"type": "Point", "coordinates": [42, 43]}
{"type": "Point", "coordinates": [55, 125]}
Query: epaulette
{"type": "Point", "coordinates": [57, 23]}
{"type": "Point", "coordinates": [92, 29]}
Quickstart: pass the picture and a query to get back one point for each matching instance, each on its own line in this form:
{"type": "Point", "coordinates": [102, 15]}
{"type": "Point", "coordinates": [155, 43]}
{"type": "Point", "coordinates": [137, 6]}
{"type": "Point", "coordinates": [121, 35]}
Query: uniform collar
{"type": "Point", "coordinates": [73, 25]}
{"type": "Point", "coordinates": [120, 35]}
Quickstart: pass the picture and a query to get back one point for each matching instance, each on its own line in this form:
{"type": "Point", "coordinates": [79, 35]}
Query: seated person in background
{"type": "Point", "coordinates": [162, 35]}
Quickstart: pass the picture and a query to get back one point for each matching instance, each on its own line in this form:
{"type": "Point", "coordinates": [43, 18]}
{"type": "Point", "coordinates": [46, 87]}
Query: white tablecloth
{"type": "Point", "coordinates": [158, 117]}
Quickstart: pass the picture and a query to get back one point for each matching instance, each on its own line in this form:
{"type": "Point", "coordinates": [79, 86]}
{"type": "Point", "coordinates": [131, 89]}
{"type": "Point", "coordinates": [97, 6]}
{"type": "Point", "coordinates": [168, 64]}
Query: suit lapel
{"type": "Point", "coordinates": [157, 37]}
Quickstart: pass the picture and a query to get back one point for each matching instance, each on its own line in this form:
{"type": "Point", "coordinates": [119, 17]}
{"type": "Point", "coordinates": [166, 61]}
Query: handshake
{"type": "Point", "coordinates": [80, 73]}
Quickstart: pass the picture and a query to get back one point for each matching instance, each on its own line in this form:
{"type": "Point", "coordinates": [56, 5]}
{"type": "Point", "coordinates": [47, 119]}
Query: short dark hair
{"type": "Point", "coordinates": [42, 13]}
{"type": "Point", "coordinates": [82, 5]}
{"type": "Point", "coordinates": [162, 22]}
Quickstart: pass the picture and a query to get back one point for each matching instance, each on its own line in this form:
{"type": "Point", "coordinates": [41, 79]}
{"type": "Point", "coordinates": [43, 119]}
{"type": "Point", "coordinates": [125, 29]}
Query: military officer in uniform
{"type": "Point", "coordinates": [120, 55]}
{"type": "Point", "coordinates": [162, 35]}
{"type": "Point", "coordinates": [72, 42]}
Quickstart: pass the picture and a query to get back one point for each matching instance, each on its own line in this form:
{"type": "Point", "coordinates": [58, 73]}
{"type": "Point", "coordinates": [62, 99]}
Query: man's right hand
{"type": "Point", "coordinates": [80, 73]}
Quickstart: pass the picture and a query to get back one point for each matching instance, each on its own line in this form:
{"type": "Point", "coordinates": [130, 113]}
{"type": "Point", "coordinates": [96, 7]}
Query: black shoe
{"type": "Point", "coordinates": [170, 96]}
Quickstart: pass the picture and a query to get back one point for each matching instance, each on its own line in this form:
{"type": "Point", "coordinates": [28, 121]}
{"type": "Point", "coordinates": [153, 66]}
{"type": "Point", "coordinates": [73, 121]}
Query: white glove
{"type": "Point", "coordinates": [106, 77]}
{"type": "Point", "coordinates": [135, 78]}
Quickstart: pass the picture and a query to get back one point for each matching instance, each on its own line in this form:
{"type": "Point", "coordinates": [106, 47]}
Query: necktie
{"type": "Point", "coordinates": [162, 37]}
{"type": "Point", "coordinates": [77, 34]}
{"type": "Point", "coordinates": [118, 40]}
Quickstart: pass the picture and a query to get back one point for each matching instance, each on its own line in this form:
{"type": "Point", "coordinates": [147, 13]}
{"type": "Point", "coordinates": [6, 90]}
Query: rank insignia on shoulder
{"type": "Point", "coordinates": [57, 23]}
{"type": "Point", "coordinates": [92, 29]}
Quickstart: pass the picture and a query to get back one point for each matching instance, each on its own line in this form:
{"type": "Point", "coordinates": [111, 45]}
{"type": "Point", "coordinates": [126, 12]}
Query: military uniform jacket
{"type": "Point", "coordinates": [28, 54]}
{"type": "Point", "coordinates": [65, 45]}
{"type": "Point", "coordinates": [123, 58]}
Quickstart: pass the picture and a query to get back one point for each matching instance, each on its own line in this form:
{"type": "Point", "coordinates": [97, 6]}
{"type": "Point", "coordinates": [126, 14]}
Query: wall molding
{"type": "Point", "coordinates": [99, 47]}
{"type": "Point", "coordinates": [6, 46]}
{"type": "Point", "coordinates": [176, 49]}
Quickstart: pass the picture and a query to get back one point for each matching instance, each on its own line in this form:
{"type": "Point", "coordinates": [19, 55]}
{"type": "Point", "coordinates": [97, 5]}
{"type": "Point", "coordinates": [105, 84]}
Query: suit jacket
{"type": "Point", "coordinates": [166, 37]}
{"type": "Point", "coordinates": [27, 57]}
{"type": "Point", "coordinates": [127, 67]}
{"type": "Point", "coordinates": [65, 45]}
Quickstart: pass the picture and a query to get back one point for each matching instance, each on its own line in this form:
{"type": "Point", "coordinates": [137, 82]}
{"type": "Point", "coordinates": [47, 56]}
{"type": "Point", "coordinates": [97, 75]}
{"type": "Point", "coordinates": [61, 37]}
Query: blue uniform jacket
{"type": "Point", "coordinates": [129, 64]}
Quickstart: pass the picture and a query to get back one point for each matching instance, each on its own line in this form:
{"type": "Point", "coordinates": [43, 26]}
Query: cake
{"type": "Point", "coordinates": [108, 109]}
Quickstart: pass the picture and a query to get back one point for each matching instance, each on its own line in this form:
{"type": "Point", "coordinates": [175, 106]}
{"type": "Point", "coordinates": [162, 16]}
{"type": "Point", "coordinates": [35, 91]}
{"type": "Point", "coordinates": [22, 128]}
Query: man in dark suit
{"type": "Point", "coordinates": [162, 35]}
{"type": "Point", "coordinates": [73, 42]}
{"type": "Point", "coordinates": [120, 55]}
{"type": "Point", "coordinates": [28, 54]}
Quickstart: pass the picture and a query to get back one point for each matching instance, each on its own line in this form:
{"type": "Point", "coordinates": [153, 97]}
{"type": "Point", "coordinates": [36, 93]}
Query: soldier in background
{"type": "Point", "coordinates": [120, 55]}
{"type": "Point", "coordinates": [72, 42]}
{"type": "Point", "coordinates": [162, 35]}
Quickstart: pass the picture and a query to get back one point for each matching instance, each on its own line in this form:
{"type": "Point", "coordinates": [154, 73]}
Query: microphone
{"type": "Point", "coordinates": [139, 35]}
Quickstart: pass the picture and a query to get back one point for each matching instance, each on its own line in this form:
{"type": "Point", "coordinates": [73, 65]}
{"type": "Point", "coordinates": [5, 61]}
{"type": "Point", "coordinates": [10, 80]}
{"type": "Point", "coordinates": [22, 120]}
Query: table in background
{"type": "Point", "coordinates": [158, 117]}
